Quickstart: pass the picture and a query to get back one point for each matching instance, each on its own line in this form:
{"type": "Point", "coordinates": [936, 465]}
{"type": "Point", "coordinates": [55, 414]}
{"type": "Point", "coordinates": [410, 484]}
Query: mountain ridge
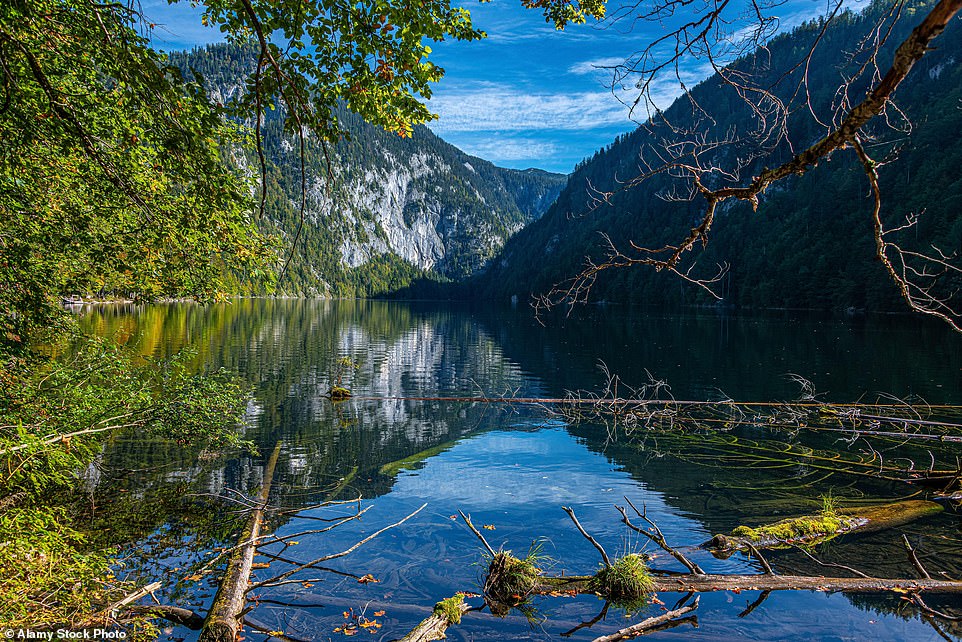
{"type": "Point", "coordinates": [397, 208]}
{"type": "Point", "coordinates": [810, 243]}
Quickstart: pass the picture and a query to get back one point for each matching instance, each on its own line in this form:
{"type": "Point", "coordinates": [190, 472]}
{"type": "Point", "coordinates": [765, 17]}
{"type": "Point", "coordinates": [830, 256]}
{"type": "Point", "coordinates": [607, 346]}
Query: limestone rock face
{"type": "Point", "coordinates": [379, 210]}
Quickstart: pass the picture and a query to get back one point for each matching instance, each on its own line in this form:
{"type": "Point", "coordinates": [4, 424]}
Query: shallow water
{"type": "Point", "coordinates": [512, 466]}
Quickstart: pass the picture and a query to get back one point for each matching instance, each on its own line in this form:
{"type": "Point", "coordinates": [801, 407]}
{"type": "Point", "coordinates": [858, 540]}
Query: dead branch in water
{"type": "Point", "coordinates": [646, 626]}
{"type": "Point", "coordinates": [225, 617]}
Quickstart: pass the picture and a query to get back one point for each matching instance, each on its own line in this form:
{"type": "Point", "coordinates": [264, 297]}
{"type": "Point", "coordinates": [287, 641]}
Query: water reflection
{"type": "Point", "coordinates": [512, 467]}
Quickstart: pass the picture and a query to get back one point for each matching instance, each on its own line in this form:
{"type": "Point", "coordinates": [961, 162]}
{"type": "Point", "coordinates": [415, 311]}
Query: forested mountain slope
{"type": "Point", "coordinates": [810, 243]}
{"type": "Point", "coordinates": [397, 208]}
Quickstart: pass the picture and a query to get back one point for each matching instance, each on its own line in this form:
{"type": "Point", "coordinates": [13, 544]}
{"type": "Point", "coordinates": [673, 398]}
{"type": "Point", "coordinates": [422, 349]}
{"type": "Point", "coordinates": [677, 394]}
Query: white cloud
{"type": "Point", "coordinates": [497, 107]}
{"type": "Point", "coordinates": [599, 65]}
{"type": "Point", "coordinates": [504, 149]}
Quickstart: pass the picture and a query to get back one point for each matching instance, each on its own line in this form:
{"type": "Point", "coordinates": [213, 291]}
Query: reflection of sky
{"type": "Point", "coordinates": [527, 95]}
{"type": "Point", "coordinates": [516, 482]}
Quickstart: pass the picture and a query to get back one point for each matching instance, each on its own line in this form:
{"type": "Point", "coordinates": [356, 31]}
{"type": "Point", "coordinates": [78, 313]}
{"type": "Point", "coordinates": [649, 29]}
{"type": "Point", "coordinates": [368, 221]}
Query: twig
{"type": "Point", "coordinates": [761, 559]}
{"type": "Point", "coordinates": [928, 609]}
{"type": "Point", "coordinates": [326, 558]}
{"type": "Point", "coordinates": [831, 565]}
{"type": "Point", "coordinates": [657, 537]}
{"type": "Point", "coordinates": [914, 558]}
{"type": "Point", "coordinates": [645, 625]}
{"type": "Point", "coordinates": [594, 542]}
{"type": "Point", "coordinates": [467, 520]}
{"type": "Point", "coordinates": [754, 605]}
{"type": "Point", "coordinates": [133, 597]}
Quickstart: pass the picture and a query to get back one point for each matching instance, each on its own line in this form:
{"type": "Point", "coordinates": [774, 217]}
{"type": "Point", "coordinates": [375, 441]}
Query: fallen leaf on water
{"type": "Point", "coordinates": [367, 578]}
{"type": "Point", "coordinates": [379, 613]}
{"type": "Point", "coordinates": [275, 633]}
{"type": "Point", "coordinates": [454, 517]}
{"type": "Point", "coordinates": [194, 578]}
{"type": "Point", "coordinates": [655, 600]}
{"type": "Point", "coordinates": [306, 584]}
{"type": "Point", "coordinates": [488, 527]}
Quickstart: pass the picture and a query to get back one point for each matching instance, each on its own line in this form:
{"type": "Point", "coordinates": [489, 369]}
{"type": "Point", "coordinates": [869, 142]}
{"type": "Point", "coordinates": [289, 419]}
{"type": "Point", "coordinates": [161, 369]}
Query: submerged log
{"type": "Point", "coordinates": [224, 620]}
{"type": "Point", "coordinates": [446, 612]}
{"type": "Point", "coordinates": [685, 583]}
{"type": "Point", "coordinates": [821, 527]}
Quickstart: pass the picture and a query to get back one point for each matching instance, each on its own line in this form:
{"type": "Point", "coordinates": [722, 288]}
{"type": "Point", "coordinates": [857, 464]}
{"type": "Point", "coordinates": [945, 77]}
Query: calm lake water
{"type": "Point", "coordinates": [513, 466]}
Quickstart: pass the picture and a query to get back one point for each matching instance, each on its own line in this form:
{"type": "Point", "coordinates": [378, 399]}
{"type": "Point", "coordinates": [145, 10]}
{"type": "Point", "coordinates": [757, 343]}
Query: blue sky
{"type": "Point", "coordinates": [527, 95]}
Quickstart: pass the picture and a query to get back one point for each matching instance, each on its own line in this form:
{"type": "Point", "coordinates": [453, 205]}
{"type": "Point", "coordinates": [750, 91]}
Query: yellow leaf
{"type": "Point", "coordinates": [488, 527]}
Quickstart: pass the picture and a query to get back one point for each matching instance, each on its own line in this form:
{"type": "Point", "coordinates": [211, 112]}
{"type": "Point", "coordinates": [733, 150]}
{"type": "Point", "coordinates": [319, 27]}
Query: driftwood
{"type": "Point", "coordinates": [224, 619]}
{"type": "Point", "coordinates": [683, 583]}
{"type": "Point", "coordinates": [817, 528]}
{"type": "Point", "coordinates": [446, 612]}
{"type": "Point", "coordinates": [648, 625]}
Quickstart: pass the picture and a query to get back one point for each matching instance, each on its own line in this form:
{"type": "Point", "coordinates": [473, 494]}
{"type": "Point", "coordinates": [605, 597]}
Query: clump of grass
{"type": "Point", "coordinates": [510, 579]}
{"type": "Point", "coordinates": [626, 582]}
{"type": "Point", "coordinates": [450, 608]}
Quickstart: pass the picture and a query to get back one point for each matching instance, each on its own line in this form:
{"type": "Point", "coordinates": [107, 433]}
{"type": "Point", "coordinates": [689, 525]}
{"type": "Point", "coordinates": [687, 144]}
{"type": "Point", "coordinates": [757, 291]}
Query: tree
{"type": "Point", "coordinates": [119, 175]}
{"type": "Point", "coordinates": [709, 162]}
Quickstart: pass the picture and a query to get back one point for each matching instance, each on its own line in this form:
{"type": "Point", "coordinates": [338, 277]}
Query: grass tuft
{"type": "Point", "coordinates": [627, 582]}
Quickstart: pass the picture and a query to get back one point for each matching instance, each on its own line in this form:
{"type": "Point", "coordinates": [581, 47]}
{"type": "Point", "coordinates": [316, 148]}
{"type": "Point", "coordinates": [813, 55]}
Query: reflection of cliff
{"type": "Point", "coordinates": [287, 350]}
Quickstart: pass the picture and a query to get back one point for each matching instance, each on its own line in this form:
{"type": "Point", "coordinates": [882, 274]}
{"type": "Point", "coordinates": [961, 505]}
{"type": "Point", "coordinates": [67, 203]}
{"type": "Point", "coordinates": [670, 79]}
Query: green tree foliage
{"type": "Point", "coordinates": [121, 176]}
{"type": "Point", "coordinates": [112, 176]}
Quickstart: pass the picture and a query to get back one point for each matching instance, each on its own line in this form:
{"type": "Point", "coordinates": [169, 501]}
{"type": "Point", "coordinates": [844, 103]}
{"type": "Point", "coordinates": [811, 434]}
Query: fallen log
{"type": "Point", "coordinates": [821, 527]}
{"type": "Point", "coordinates": [224, 619]}
{"type": "Point", "coordinates": [446, 612]}
{"type": "Point", "coordinates": [684, 583]}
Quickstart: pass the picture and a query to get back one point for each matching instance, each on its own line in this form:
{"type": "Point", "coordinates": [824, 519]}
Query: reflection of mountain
{"type": "Point", "coordinates": [287, 349]}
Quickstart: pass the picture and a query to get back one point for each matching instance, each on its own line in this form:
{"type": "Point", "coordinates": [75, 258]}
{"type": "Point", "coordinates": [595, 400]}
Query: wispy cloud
{"type": "Point", "coordinates": [509, 148]}
{"type": "Point", "coordinates": [498, 107]}
{"type": "Point", "coordinates": [599, 65]}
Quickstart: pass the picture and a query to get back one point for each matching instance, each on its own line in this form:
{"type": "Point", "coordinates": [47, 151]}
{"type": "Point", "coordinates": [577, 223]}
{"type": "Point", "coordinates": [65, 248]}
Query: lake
{"type": "Point", "coordinates": [401, 442]}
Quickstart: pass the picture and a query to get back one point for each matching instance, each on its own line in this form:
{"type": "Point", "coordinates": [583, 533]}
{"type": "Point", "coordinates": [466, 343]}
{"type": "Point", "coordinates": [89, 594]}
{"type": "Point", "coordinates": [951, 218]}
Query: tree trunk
{"type": "Point", "coordinates": [224, 620]}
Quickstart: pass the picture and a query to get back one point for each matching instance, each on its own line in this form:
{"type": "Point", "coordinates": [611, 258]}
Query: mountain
{"type": "Point", "coordinates": [397, 208]}
{"type": "Point", "coordinates": [810, 243]}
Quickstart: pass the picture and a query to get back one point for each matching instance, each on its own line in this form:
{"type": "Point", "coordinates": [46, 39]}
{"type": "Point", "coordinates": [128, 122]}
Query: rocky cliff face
{"type": "Point", "coordinates": [380, 211]}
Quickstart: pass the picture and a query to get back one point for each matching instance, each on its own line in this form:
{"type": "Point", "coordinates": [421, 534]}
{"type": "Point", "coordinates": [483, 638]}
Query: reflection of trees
{"type": "Point", "coordinates": [286, 349]}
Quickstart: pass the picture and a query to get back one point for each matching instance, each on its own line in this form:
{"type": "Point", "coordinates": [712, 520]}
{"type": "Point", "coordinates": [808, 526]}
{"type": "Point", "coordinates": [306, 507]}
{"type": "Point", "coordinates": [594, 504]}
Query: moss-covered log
{"type": "Point", "coordinates": [823, 526]}
{"type": "Point", "coordinates": [446, 612]}
{"type": "Point", "coordinates": [224, 620]}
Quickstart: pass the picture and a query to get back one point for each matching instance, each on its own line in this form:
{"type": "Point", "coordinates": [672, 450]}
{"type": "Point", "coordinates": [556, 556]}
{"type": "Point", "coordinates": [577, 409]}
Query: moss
{"type": "Point", "coordinates": [450, 609]}
{"type": "Point", "coordinates": [394, 467]}
{"type": "Point", "coordinates": [338, 393]}
{"type": "Point", "coordinates": [625, 582]}
{"type": "Point", "coordinates": [825, 524]}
